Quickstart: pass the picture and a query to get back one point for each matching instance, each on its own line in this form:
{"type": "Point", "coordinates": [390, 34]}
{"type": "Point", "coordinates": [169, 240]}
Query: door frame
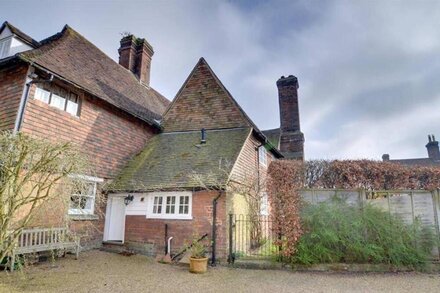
{"type": "Point", "coordinates": [108, 216]}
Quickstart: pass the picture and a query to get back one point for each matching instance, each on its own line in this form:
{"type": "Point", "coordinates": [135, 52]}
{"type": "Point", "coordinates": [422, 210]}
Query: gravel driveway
{"type": "Point", "coordinates": [98, 271]}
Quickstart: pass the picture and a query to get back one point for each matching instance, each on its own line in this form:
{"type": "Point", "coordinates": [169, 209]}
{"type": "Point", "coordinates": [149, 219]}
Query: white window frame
{"type": "Point", "coordinates": [66, 95]}
{"type": "Point", "coordinates": [262, 155]}
{"type": "Point", "coordinates": [163, 214]}
{"type": "Point", "coordinates": [88, 179]}
{"type": "Point", "coordinates": [264, 204]}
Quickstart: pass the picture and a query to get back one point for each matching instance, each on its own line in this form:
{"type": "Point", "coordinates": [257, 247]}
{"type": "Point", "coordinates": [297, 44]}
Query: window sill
{"type": "Point", "coordinates": [84, 217]}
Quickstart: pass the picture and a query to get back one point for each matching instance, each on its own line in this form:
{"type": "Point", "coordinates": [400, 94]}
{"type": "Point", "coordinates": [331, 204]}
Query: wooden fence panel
{"type": "Point", "coordinates": [408, 205]}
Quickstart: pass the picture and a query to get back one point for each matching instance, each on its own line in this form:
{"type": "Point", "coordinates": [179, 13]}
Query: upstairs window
{"type": "Point", "coordinates": [170, 205]}
{"type": "Point", "coordinates": [59, 98]}
{"type": "Point", "coordinates": [262, 155]}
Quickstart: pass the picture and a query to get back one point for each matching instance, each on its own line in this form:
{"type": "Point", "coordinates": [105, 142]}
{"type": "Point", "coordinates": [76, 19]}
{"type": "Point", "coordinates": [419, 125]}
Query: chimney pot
{"type": "Point", "coordinates": [385, 157]}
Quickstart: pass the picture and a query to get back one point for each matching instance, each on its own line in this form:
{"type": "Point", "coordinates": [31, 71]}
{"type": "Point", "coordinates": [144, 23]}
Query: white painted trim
{"type": "Point", "coordinates": [176, 215]}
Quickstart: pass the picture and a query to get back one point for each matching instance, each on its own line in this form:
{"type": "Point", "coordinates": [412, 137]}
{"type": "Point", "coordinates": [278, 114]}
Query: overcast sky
{"type": "Point", "coordinates": [369, 71]}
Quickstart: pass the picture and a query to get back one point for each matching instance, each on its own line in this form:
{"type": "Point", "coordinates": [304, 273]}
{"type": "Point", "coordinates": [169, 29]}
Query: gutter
{"type": "Point", "coordinates": [266, 142]}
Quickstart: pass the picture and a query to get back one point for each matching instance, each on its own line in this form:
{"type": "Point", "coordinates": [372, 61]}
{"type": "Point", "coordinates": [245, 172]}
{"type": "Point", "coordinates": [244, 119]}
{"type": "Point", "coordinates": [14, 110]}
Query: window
{"type": "Point", "coordinates": [170, 205]}
{"type": "Point", "coordinates": [264, 204]}
{"type": "Point", "coordinates": [184, 205]}
{"type": "Point", "coordinates": [82, 200]}
{"type": "Point", "coordinates": [5, 44]}
{"type": "Point", "coordinates": [58, 98]}
{"type": "Point", "coordinates": [262, 154]}
{"type": "Point", "coordinates": [157, 207]}
{"type": "Point", "coordinates": [42, 95]}
{"type": "Point", "coordinates": [72, 104]}
{"type": "Point", "coordinates": [57, 101]}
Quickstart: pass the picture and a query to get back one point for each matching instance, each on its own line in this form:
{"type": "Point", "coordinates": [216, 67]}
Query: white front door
{"type": "Point", "coordinates": [115, 219]}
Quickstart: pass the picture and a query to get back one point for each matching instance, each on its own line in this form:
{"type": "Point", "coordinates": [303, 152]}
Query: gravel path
{"type": "Point", "coordinates": [98, 271]}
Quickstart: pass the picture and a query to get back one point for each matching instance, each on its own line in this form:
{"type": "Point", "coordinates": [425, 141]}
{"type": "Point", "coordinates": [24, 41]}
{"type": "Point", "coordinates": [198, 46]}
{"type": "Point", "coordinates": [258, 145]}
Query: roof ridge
{"type": "Point", "coordinates": [208, 130]}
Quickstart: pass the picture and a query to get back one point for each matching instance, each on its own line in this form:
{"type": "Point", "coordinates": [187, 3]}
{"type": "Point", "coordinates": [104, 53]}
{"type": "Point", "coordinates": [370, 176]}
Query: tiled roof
{"type": "Point", "coordinates": [169, 158]}
{"type": "Point", "coordinates": [204, 102]}
{"type": "Point", "coordinates": [73, 58]}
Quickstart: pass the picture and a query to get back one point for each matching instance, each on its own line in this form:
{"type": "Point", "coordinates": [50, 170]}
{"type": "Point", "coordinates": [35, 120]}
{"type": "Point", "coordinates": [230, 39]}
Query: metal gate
{"type": "Point", "coordinates": [251, 237]}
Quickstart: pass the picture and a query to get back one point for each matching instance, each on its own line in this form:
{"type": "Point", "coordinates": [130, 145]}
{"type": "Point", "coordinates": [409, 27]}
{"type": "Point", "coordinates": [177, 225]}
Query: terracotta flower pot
{"type": "Point", "coordinates": [198, 265]}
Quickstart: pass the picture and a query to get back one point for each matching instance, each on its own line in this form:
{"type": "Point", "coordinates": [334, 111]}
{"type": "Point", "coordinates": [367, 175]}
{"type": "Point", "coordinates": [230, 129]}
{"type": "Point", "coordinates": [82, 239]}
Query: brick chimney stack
{"type": "Point", "coordinates": [432, 147]}
{"type": "Point", "coordinates": [135, 54]}
{"type": "Point", "coordinates": [291, 137]}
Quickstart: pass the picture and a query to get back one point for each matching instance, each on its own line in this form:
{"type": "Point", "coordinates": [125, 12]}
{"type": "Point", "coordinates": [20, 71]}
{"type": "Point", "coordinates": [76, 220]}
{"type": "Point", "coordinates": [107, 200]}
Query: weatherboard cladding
{"type": "Point", "coordinates": [169, 159]}
{"type": "Point", "coordinates": [73, 58]}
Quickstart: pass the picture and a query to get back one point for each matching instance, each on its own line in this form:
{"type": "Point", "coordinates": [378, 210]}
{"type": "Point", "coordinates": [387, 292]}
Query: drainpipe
{"type": "Point", "coordinates": [23, 103]}
{"type": "Point", "coordinates": [258, 164]}
{"type": "Point", "coordinates": [214, 229]}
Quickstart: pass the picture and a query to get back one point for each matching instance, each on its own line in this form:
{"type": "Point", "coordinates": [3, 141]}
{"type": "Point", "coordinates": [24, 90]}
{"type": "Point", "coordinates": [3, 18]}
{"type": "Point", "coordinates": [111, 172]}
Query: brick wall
{"type": "Point", "coordinates": [140, 231]}
{"type": "Point", "coordinates": [12, 81]}
{"type": "Point", "coordinates": [108, 136]}
{"type": "Point", "coordinates": [203, 103]}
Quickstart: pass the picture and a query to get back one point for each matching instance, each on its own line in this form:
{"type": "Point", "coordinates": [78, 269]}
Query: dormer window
{"type": "Point", "coordinates": [12, 43]}
{"type": "Point", "coordinates": [59, 98]}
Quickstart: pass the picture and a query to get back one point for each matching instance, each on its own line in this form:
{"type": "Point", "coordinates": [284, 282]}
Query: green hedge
{"type": "Point", "coordinates": [337, 232]}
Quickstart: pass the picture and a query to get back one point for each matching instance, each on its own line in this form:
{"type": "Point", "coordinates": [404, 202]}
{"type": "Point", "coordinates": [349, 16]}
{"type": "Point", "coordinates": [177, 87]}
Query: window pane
{"type": "Point", "coordinates": [58, 101]}
{"type": "Point", "coordinates": [264, 204]}
{"type": "Point", "coordinates": [183, 205]}
{"type": "Point", "coordinates": [157, 205]}
{"type": "Point", "coordinates": [72, 105]}
{"type": "Point", "coordinates": [171, 202]}
{"type": "Point", "coordinates": [262, 155]}
{"type": "Point", "coordinates": [74, 202]}
{"type": "Point", "coordinates": [42, 95]}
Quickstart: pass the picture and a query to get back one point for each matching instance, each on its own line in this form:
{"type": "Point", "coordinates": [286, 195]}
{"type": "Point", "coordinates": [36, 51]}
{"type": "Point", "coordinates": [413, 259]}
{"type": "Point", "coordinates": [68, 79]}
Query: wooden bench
{"type": "Point", "coordinates": [47, 239]}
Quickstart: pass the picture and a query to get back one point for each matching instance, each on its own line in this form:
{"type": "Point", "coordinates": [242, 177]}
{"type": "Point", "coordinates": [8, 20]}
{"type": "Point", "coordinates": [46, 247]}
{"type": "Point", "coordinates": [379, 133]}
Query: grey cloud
{"type": "Point", "coordinates": [368, 70]}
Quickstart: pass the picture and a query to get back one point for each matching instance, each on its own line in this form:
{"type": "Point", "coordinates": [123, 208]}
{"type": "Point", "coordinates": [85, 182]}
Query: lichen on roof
{"type": "Point", "coordinates": [169, 159]}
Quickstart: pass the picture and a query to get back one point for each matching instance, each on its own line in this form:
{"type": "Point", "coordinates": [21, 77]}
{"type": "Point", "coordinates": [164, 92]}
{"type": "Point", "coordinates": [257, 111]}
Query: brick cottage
{"type": "Point", "coordinates": [148, 149]}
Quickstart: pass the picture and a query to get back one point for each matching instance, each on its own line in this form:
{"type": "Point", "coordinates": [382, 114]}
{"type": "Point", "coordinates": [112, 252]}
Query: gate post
{"type": "Point", "coordinates": [230, 256]}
